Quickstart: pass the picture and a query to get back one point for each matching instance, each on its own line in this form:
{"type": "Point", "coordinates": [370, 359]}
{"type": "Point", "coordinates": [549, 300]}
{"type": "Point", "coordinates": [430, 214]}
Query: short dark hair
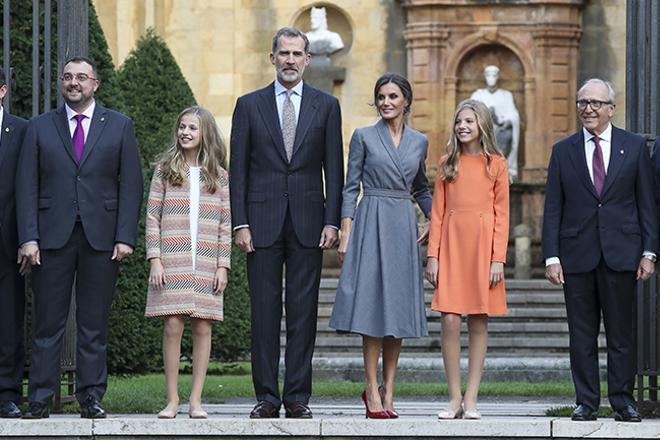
{"type": "Point", "coordinates": [80, 59]}
{"type": "Point", "coordinates": [290, 32]}
{"type": "Point", "coordinates": [399, 80]}
{"type": "Point", "coordinates": [3, 81]}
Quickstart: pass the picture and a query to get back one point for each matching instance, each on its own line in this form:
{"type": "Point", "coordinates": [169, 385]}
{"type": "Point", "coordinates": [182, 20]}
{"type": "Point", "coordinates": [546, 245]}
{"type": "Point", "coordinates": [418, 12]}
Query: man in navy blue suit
{"type": "Point", "coordinates": [600, 235]}
{"type": "Point", "coordinates": [286, 181]}
{"type": "Point", "coordinates": [12, 286]}
{"type": "Point", "coordinates": [656, 174]}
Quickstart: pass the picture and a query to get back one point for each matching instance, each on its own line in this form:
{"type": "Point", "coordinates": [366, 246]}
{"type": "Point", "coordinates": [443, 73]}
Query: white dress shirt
{"type": "Point", "coordinates": [194, 212]}
{"type": "Point", "coordinates": [86, 122]}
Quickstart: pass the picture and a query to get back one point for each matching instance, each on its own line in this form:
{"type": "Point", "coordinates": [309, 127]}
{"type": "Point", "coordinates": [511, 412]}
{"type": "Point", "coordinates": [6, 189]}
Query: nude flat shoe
{"type": "Point", "coordinates": [449, 414]}
{"type": "Point", "coordinates": [167, 414]}
{"type": "Point", "coordinates": [198, 414]}
{"type": "Point", "coordinates": [472, 414]}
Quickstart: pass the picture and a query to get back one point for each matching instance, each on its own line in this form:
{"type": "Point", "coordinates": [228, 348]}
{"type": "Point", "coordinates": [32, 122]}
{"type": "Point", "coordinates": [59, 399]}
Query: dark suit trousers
{"type": "Point", "coordinates": [95, 275]}
{"type": "Point", "coordinates": [587, 294]}
{"type": "Point", "coordinates": [12, 311]}
{"type": "Point", "coordinates": [303, 274]}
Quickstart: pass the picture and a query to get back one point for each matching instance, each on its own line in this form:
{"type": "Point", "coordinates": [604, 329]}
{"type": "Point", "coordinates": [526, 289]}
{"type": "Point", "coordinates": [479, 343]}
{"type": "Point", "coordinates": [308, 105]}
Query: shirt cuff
{"type": "Point", "coordinates": [551, 260]}
{"type": "Point", "coordinates": [236, 228]}
{"type": "Point", "coordinates": [30, 242]}
{"type": "Point", "coordinates": [332, 226]}
{"type": "Point", "coordinates": [653, 255]}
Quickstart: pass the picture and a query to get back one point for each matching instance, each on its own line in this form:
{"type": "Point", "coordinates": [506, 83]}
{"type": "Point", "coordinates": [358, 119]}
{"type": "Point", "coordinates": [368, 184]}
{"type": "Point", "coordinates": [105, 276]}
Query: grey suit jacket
{"type": "Point", "coordinates": [105, 190]}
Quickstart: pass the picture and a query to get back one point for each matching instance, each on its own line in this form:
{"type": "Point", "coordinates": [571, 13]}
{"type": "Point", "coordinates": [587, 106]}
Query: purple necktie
{"type": "Point", "coordinates": [79, 137]}
{"type": "Point", "coordinates": [598, 166]}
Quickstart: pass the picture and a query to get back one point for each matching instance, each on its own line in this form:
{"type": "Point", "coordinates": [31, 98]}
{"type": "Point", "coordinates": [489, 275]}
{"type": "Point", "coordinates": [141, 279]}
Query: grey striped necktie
{"type": "Point", "coordinates": [288, 124]}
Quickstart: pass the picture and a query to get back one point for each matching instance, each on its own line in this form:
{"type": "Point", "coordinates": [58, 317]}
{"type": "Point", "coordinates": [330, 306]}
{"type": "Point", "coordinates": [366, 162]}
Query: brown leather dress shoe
{"type": "Point", "coordinates": [298, 410]}
{"type": "Point", "coordinates": [265, 410]}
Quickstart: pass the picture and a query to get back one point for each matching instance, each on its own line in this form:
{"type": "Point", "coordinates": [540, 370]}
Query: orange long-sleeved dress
{"type": "Point", "coordinates": [469, 230]}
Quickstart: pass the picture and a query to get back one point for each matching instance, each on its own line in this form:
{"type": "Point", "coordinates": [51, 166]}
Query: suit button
{"type": "Point", "coordinates": [286, 194]}
{"type": "Point", "coordinates": [289, 173]}
{"type": "Point", "coordinates": [600, 205]}
{"type": "Point", "coordinates": [78, 178]}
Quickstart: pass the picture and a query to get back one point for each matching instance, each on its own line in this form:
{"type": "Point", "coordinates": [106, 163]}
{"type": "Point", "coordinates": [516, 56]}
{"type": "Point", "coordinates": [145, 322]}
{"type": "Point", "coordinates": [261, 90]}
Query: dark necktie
{"type": "Point", "coordinates": [288, 124]}
{"type": "Point", "coordinates": [79, 137]}
{"type": "Point", "coordinates": [598, 166]}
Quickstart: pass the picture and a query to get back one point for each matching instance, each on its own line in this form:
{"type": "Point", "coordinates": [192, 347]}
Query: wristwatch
{"type": "Point", "coordinates": [651, 257]}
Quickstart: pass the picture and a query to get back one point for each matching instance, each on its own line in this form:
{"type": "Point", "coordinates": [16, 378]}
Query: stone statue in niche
{"type": "Point", "coordinates": [505, 117]}
{"type": "Point", "coordinates": [322, 42]}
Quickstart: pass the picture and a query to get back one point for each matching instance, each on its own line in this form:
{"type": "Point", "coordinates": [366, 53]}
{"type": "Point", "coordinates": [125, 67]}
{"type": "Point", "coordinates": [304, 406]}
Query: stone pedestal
{"type": "Point", "coordinates": [324, 76]}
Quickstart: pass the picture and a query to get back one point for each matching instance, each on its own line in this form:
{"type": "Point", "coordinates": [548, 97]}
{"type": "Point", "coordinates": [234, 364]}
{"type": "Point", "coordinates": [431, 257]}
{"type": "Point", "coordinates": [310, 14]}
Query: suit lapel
{"type": "Point", "coordinates": [307, 112]}
{"type": "Point", "coordinates": [268, 110]}
{"type": "Point", "coordinates": [617, 157]}
{"type": "Point", "coordinates": [579, 160]}
{"type": "Point", "coordinates": [5, 135]}
{"type": "Point", "coordinates": [386, 140]}
{"type": "Point", "coordinates": [62, 126]}
{"type": "Point", "coordinates": [96, 127]}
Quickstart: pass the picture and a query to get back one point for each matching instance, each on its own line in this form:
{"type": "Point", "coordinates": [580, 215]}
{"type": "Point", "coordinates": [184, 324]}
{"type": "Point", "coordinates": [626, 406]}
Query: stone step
{"type": "Point", "coordinates": [534, 314]}
{"type": "Point", "coordinates": [513, 299]}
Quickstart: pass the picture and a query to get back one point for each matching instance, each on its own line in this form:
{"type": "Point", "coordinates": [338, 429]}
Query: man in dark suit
{"type": "Point", "coordinates": [656, 174]}
{"type": "Point", "coordinates": [12, 287]}
{"type": "Point", "coordinates": [79, 190]}
{"type": "Point", "coordinates": [286, 143]}
{"type": "Point", "coordinates": [600, 236]}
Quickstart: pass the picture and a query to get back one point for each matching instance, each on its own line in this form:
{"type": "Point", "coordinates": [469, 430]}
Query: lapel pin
{"type": "Point", "coordinates": [103, 119]}
{"type": "Point", "coordinates": [621, 151]}
{"type": "Point", "coordinates": [7, 129]}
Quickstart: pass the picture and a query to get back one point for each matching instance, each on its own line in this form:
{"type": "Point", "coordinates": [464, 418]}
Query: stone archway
{"type": "Point", "coordinates": [470, 77]}
{"type": "Point", "coordinates": [543, 35]}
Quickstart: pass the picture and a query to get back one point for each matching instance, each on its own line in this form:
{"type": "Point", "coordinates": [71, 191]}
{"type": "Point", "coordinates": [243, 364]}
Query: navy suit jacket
{"type": "Point", "coordinates": [264, 185]}
{"type": "Point", "coordinates": [656, 174]}
{"type": "Point", "coordinates": [11, 137]}
{"type": "Point", "coordinates": [105, 189]}
{"type": "Point", "coordinates": [579, 226]}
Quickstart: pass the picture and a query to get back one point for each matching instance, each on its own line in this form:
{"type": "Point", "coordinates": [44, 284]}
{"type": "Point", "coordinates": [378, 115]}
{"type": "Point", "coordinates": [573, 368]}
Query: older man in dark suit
{"type": "Point", "coordinates": [286, 145]}
{"type": "Point", "coordinates": [600, 235]}
{"type": "Point", "coordinates": [79, 190]}
{"type": "Point", "coordinates": [12, 287]}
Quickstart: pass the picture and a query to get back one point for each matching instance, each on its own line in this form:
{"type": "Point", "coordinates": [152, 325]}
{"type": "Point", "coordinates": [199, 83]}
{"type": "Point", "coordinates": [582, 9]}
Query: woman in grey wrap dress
{"type": "Point", "coordinates": [380, 293]}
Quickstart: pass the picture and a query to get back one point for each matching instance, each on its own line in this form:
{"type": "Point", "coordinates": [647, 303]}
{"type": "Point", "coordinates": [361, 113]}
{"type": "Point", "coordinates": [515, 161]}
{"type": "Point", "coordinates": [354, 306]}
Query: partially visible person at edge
{"type": "Point", "coordinates": [12, 286]}
{"type": "Point", "coordinates": [78, 196]}
{"type": "Point", "coordinates": [600, 236]}
{"type": "Point", "coordinates": [188, 238]}
{"type": "Point", "coordinates": [467, 248]}
{"type": "Point", "coordinates": [286, 175]}
{"type": "Point", "coordinates": [380, 294]}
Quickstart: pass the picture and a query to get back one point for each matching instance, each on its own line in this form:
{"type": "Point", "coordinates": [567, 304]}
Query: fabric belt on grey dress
{"type": "Point", "coordinates": [384, 192]}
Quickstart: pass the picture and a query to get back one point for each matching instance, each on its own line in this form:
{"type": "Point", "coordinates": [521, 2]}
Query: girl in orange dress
{"type": "Point", "coordinates": [467, 247]}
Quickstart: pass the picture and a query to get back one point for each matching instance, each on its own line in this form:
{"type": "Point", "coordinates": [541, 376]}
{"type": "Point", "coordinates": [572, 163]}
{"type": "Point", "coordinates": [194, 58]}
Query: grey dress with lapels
{"type": "Point", "coordinates": [380, 291]}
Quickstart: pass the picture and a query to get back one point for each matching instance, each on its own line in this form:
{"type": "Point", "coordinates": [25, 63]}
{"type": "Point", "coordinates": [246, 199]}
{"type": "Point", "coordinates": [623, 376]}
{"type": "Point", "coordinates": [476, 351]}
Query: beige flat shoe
{"type": "Point", "coordinates": [449, 414]}
{"type": "Point", "coordinates": [472, 414]}
{"type": "Point", "coordinates": [167, 413]}
{"type": "Point", "coordinates": [198, 414]}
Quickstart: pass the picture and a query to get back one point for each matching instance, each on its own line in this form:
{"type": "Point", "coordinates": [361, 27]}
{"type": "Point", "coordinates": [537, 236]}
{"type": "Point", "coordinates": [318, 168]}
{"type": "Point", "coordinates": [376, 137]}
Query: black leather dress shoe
{"type": "Point", "coordinates": [90, 408]}
{"type": "Point", "coordinates": [583, 413]}
{"type": "Point", "coordinates": [265, 410]}
{"type": "Point", "coordinates": [627, 414]}
{"type": "Point", "coordinates": [9, 410]}
{"type": "Point", "coordinates": [298, 410]}
{"type": "Point", "coordinates": [37, 410]}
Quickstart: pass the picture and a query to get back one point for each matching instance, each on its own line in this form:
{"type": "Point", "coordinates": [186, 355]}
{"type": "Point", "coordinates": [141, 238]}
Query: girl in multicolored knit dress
{"type": "Point", "coordinates": [189, 246]}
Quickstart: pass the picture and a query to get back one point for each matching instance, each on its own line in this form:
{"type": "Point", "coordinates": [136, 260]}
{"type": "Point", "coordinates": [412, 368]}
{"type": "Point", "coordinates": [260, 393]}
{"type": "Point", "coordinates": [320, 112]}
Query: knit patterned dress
{"type": "Point", "coordinates": [187, 292]}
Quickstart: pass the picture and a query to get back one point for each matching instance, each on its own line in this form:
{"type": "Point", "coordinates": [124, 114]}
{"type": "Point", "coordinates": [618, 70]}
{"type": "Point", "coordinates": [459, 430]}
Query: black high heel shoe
{"type": "Point", "coordinates": [374, 414]}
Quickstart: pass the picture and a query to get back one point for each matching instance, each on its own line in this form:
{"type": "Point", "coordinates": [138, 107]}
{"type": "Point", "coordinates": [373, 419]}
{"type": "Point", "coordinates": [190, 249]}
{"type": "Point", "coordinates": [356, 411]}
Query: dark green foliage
{"type": "Point", "coordinates": [21, 58]}
{"type": "Point", "coordinates": [231, 338]}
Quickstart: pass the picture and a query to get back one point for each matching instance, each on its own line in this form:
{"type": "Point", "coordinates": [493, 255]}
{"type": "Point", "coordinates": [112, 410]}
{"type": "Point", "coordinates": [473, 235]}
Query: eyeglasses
{"type": "Point", "coordinates": [80, 77]}
{"type": "Point", "coordinates": [595, 104]}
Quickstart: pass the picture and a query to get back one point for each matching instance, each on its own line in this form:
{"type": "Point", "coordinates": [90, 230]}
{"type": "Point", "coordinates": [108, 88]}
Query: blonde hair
{"type": "Point", "coordinates": [212, 155]}
{"type": "Point", "coordinates": [487, 139]}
